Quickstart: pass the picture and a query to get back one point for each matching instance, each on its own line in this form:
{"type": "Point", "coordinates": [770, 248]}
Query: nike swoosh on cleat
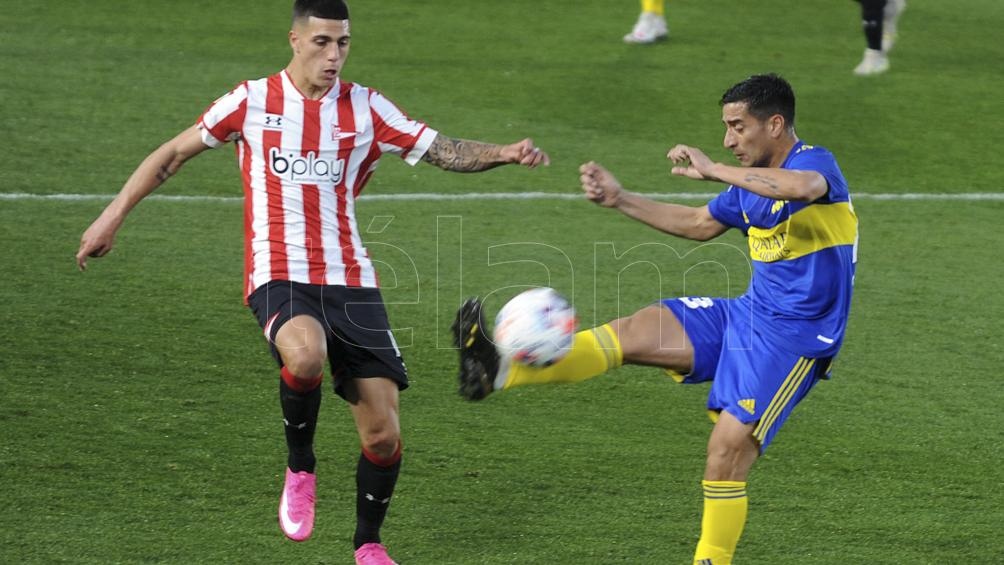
{"type": "Point", "coordinates": [288, 524]}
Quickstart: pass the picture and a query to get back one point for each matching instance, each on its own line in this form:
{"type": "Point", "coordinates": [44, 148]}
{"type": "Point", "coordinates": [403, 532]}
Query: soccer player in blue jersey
{"type": "Point", "coordinates": [762, 351]}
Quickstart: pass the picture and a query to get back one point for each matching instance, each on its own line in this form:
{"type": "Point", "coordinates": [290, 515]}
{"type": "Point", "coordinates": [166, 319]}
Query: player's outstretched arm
{"type": "Point", "coordinates": [601, 187]}
{"type": "Point", "coordinates": [465, 156]}
{"type": "Point", "coordinates": [159, 166]}
{"type": "Point", "coordinates": [776, 183]}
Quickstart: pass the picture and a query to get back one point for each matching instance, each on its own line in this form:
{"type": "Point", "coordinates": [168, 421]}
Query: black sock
{"type": "Point", "coordinates": [299, 413]}
{"type": "Point", "coordinates": [871, 21]}
{"type": "Point", "coordinates": [374, 487]}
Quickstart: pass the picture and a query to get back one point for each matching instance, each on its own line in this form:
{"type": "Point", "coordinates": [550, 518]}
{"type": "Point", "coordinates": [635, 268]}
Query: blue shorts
{"type": "Point", "coordinates": [753, 378]}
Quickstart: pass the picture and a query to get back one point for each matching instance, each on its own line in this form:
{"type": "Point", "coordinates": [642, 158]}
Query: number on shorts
{"type": "Point", "coordinates": [697, 302]}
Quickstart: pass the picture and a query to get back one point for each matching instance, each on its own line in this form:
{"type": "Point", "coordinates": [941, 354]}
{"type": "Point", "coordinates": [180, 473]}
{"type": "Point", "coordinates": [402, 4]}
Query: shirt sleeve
{"type": "Point", "coordinates": [727, 209]}
{"type": "Point", "coordinates": [823, 162]}
{"type": "Point", "coordinates": [223, 121]}
{"type": "Point", "coordinates": [396, 133]}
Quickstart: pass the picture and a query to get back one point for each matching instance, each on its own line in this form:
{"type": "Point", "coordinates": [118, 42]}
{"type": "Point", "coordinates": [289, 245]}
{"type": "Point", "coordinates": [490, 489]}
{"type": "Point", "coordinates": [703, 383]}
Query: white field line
{"type": "Point", "coordinates": [434, 196]}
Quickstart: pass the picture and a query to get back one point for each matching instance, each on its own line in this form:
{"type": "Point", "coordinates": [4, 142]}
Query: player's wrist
{"type": "Point", "coordinates": [507, 154]}
{"type": "Point", "coordinates": [114, 216]}
{"type": "Point", "coordinates": [621, 199]}
{"type": "Point", "coordinates": [717, 171]}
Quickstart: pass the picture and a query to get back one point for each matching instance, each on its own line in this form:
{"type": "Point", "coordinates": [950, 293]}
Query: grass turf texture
{"type": "Point", "coordinates": [139, 404]}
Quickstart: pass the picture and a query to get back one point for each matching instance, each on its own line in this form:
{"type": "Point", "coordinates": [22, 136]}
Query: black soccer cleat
{"type": "Point", "coordinates": [479, 361]}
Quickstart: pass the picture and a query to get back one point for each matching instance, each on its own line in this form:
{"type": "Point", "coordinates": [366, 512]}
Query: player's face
{"type": "Point", "coordinates": [748, 138]}
{"type": "Point", "coordinates": [320, 48]}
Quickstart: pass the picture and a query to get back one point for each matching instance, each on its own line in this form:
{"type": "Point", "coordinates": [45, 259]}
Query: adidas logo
{"type": "Point", "coordinates": [749, 405]}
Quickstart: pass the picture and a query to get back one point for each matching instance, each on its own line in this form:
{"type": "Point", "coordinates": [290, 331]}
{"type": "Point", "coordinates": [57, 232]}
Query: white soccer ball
{"type": "Point", "coordinates": [536, 327]}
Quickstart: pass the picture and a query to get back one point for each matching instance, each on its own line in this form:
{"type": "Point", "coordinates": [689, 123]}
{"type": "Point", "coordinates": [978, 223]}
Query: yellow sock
{"type": "Point", "coordinates": [725, 505]}
{"type": "Point", "coordinates": [593, 353]}
{"type": "Point", "coordinates": [654, 6]}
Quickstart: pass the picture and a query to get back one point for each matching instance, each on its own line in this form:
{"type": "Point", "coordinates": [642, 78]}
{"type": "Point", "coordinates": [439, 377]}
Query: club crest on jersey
{"type": "Point", "coordinates": [309, 168]}
{"type": "Point", "coordinates": [338, 133]}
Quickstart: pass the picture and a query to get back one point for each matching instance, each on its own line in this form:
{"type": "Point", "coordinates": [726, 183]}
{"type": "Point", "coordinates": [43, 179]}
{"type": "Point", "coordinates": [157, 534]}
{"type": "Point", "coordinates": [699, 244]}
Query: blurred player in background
{"type": "Point", "coordinates": [879, 19]}
{"type": "Point", "coordinates": [762, 351]}
{"type": "Point", "coordinates": [651, 25]}
{"type": "Point", "coordinates": [307, 142]}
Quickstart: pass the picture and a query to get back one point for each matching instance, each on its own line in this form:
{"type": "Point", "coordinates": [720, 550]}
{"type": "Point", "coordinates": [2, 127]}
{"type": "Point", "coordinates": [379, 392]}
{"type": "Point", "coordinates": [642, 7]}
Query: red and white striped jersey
{"type": "Point", "coordinates": [303, 163]}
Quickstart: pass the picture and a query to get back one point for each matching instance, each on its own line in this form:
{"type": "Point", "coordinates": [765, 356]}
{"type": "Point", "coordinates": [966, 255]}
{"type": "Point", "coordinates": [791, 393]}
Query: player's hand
{"type": "Point", "coordinates": [525, 153]}
{"type": "Point", "coordinates": [600, 186]}
{"type": "Point", "coordinates": [97, 241]}
{"type": "Point", "coordinates": [692, 163]}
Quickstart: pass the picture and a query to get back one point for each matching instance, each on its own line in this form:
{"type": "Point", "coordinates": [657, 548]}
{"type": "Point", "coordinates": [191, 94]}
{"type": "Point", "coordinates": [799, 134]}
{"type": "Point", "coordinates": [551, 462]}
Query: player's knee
{"type": "Point", "coordinates": [305, 366]}
{"type": "Point", "coordinates": [382, 443]}
{"type": "Point", "coordinates": [383, 446]}
{"type": "Point", "coordinates": [646, 337]}
{"type": "Point", "coordinates": [730, 459]}
{"type": "Point", "coordinates": [302, 344]}
{"type": "Point", "coordinates": [724, 465]}
{"type": "Point", "coordinates": [723, 453]}
{"type": "Point", "coordinates": [630, 333]}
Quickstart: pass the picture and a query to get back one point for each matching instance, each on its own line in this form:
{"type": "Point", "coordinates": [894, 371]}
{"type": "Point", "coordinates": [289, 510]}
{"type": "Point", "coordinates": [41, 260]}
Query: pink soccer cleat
{"type": "Point", "coordinates": [373, 554]}
{"type": "Point", "coordinates": [296, 507]}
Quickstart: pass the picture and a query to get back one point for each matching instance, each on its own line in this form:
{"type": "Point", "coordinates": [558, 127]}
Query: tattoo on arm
{"type": "Point", "coordinates": [769, 182]}
{"type": "Point", "coordinates": [462, 155]}
{"type": "Point", "coordinates": [164, 173]}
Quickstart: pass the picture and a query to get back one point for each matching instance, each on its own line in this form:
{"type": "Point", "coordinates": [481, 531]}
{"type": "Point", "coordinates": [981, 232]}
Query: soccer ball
{"type": "Point", "coordinates": [536, 327]}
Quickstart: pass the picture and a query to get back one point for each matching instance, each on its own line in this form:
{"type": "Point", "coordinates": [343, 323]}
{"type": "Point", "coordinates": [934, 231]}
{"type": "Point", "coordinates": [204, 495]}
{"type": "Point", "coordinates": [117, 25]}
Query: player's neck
{"type": "Point", "coordinates": [304, 85]}
{"type": "Point", "coordinates": [783, 149]}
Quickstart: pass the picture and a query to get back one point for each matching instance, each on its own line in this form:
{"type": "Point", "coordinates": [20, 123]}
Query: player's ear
{"type": "Point", "coordinates": [293, 41]}
{"type": "Point", "coordinates": [776, 125]}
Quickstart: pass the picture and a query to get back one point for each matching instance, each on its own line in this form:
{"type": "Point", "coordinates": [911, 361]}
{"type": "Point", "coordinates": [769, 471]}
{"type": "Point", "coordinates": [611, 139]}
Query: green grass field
{"type": "Point", "coordinates": [138, 405]}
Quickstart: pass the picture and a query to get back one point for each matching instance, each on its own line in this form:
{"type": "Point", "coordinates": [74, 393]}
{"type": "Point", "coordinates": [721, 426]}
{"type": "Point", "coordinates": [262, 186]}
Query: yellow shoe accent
{"type": "Point", "coordinates": [479, 361]}
{"type": "Point", "coordinates": [470, 339]}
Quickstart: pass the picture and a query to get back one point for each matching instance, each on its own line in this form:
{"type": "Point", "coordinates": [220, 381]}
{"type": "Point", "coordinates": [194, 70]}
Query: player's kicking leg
{"type": "Point", "coordinates": [479, 360]}
{"type": "Point", "coordinates": [651, 336]}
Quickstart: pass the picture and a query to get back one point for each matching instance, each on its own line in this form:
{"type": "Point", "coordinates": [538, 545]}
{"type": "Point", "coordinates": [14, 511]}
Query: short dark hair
{"type": "Point", "coordinates": [764, 95]}
{"type": "Point", "coordinates": [325, 9]}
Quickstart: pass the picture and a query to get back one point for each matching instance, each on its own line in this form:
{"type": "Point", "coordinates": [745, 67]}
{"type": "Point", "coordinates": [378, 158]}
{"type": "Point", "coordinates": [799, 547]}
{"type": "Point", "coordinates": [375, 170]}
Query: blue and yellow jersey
{"type": "Point", "coordinates": [803, 253]}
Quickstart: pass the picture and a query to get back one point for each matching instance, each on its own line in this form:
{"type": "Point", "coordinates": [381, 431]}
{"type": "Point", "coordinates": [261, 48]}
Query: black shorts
{"type": "Point", "coordinates": [360, 343]}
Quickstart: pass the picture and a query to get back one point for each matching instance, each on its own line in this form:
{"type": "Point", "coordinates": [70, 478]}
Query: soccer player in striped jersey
{"type": "Point", "coordinates": [762, 351]}
{"type": "Point", "coordinates": [307, 142]}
